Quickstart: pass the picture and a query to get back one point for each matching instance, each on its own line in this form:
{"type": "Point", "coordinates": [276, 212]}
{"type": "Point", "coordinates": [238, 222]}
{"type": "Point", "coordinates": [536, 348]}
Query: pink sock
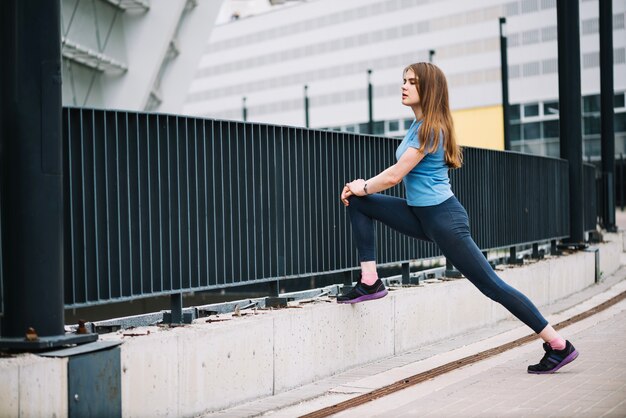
{"type": "Point", "coordinates": [557, 343]}
{"type": "Point", "coordinates": [369, 278]}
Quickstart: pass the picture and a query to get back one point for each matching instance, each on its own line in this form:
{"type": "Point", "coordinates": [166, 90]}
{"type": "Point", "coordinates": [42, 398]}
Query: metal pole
{"type": "Point", "coordinates": [504, 76]}
{"type": "Point", "coordinates": [370, 104]}
{"type": "Point", "coordinates": [621, 181]}
{"type": "Point", "coordinates": [570, 110]}
{"type": "Point", "coordinates": [244, 111]}
{"type": "Point", "coordinates": [607, 115]}
{"type": "Point", "coordinates": [431, 54]}
{"type": "Point", "coordinates": [306, 106]}
{"type": "Point", "coordinates": [31, 161]}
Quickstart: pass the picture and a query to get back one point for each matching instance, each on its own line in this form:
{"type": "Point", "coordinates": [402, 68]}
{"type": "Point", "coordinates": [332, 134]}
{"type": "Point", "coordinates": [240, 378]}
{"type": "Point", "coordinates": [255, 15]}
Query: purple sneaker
{"type": "Point", "coordinates": [553, 360]}
{"type": "Point", "coordinates": [362, 292]}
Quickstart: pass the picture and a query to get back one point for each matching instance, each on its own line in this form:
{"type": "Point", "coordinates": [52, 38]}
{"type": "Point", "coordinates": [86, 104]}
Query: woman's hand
{"type": "Point", "coordinates": [345, 194]}
{"type": "Point", "coordinates": [355, 188]}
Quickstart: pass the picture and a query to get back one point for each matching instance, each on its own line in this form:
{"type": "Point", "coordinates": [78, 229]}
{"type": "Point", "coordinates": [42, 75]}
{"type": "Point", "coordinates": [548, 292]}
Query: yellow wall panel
{"type": "Point", "coordinates": [481, 127]}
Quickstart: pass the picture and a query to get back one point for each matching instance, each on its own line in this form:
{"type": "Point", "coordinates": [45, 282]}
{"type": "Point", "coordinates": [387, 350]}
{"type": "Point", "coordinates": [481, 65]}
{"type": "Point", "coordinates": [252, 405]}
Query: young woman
{"type": "Point", "coordinates": [431, 212]}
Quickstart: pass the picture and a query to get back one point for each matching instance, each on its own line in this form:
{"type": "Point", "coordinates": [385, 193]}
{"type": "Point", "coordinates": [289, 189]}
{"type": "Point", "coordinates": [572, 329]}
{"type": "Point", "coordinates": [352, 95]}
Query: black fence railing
{"type": "Point", "coordinates": [161, 204]}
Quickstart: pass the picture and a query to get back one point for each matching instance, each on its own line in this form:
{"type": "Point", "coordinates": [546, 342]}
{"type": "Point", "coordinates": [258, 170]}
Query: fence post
{"type": "Point", "coordinates": [451, 271]}
{"type": "Point", "coordinates": [176, 301]}
{"type": "Point", "coordinates": [513, 256]}
{"type": "Point", "coordinates": [406, 273]}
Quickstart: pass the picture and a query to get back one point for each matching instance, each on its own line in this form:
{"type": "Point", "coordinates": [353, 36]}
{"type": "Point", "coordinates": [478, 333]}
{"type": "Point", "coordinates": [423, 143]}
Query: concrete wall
{"type": "Point", "coordinates": [202, 367]}
{"type": "Point", "coordinates": [226, 363]}
{"type": "Point", "coordinates": [32, 386]}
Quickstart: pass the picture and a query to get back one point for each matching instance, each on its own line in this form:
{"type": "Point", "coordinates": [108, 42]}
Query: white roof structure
{"type": "Point", "coordinates": [132, 54]}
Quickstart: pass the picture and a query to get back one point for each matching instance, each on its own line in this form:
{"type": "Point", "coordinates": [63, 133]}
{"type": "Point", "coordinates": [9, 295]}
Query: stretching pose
{"type": "Point", "coordinates": [431, 212]}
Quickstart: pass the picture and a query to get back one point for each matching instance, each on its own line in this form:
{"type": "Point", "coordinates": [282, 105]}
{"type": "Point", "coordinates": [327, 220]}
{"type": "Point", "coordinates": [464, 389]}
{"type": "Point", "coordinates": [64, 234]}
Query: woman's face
{"type": "Point", "coordinates": [410, 97]}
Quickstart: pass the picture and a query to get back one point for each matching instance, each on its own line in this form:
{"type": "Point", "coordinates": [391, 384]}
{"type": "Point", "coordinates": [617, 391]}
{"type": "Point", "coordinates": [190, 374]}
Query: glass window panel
{"type": "Point", "coordinates": [591, 125]}
{"type": "Point", "coordinates": [551, 108]}
{"type": "Point", "coordinates": [514, 112]}
{"type": "Point", "coordinates": [350, 128]}
{"type": "Point", "coordinates": [551, 129]}
{"type": "Point", "coordinates": [531, 110]}
{"type": "Point", "coordinates": [532, 130]}
{"type": "Point", "coordinates": [620, 122]}
{"type": "Point", "coordinates": [364, 128]}
{"type": "Point", "coordinates": [379, 127]}
{"type": "Point", "coordinates": [618, 100]}
{"type": "Point", "coordinates": [394, 126]}
{"type": "Point", "coordinates": [407, 123]}
{"type": "Point", "coordinates": [591, 103]}
{"type": "Point", "coordinates": [515, 132]}
{"type": "Point", "coordinates": [553, 149]}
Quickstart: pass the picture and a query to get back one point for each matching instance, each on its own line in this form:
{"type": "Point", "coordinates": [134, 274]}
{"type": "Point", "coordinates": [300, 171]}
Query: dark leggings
{"type": "Point", "coordinates": [447, 225]}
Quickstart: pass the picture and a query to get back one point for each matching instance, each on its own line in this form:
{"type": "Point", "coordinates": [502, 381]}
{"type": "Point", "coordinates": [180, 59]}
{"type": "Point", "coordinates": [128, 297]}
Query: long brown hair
{"type": "Point", "coordinates": [433, 92]}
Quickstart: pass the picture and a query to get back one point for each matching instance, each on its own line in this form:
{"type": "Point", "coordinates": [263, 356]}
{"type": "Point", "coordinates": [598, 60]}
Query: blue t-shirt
{"type": "Point", "coordinates": [428, 183]}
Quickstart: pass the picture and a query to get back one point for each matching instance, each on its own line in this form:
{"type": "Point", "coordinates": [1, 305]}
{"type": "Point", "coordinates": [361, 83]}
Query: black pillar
{"type": "Point", "coordinates": [31, 164]}
{"type": "Point", "coordinates": [607, 115]}
{"type": "Point", "coordinates": [306, 106]}
{"type": "Point", "coordinates": [370, 104]}
{"type": "Point", "coordinates": [504, 76]}
{"type": "Point", "coordinates": [570, 115]}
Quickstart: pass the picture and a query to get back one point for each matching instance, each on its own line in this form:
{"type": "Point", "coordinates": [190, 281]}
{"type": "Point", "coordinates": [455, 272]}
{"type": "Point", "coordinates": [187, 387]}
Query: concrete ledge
{"type": "Point", "coordinates": [208, 366]}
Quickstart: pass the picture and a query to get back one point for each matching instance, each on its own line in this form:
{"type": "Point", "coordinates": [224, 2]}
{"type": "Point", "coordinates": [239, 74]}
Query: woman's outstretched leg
{"type": "Point", "coordinates": [364, 210]}
{"type": "Point", "coordinates": [448, 226]}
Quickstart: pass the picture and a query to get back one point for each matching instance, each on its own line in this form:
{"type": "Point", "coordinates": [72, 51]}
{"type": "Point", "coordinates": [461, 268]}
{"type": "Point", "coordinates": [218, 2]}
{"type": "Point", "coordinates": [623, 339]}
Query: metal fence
{"type": "Point", "coordinates": [158, 204]}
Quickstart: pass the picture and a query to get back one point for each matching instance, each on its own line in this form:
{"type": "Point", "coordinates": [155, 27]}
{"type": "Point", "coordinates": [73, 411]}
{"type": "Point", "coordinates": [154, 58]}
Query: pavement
{"type": "Point", "coordinates": [594, 385]}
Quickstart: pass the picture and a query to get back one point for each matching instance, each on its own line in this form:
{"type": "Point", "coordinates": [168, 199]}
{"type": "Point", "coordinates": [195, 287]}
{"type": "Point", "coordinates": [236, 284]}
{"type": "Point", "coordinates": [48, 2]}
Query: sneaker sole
{"type": "Point", "coordinates": [572, 356]}
{"type": "Point", "coordinates": [363, 298]}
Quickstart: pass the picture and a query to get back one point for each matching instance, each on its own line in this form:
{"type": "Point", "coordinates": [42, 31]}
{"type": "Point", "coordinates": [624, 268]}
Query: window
{"type": "Point", "coordinates": [394, 126]}
{"type": "Point", "coordinates": [364, 128]}
{"type": "Point", "coordinates": [514, 132]}
{"type": "Point", "coordinates": [550, 129]}
{"type": "Point", "coordinates": [618, 100]}
{"type": "Point", "coordinates": [591, 103]}
{"type": "Point", "coordinates": [551, 108]}
{"type": "Point", "coordinates": [531, 110]}
{"type": "Point", "coordinates": [514, 112]}
{"type": "Point", "coordinates": [379, 127]}
{"type": "Point", "coordinates": [532, 130]}
{"type": "Point", "coordinates": [351, 128]}
{"type": "Point", "coordinates": [620, 122]}
{"type": "Point", "coordinates": [591, 125]}
{"type": "Point", "coordinates": [407, 123]}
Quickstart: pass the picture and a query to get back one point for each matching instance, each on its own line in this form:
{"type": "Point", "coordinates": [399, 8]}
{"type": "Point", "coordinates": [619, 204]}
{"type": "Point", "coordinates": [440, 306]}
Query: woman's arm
{"type": "Point", "coordinates": [386, 179]}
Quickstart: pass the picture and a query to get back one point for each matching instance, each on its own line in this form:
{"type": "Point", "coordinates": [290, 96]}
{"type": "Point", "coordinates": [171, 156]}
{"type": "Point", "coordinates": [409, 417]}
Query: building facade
{"type": "Point", "coordinates": [265, 61]}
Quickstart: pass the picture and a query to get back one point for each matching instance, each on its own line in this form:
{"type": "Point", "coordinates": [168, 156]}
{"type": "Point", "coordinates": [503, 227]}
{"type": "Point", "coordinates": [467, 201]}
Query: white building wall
{"type": "Point", "coordinates": [329, 45]}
